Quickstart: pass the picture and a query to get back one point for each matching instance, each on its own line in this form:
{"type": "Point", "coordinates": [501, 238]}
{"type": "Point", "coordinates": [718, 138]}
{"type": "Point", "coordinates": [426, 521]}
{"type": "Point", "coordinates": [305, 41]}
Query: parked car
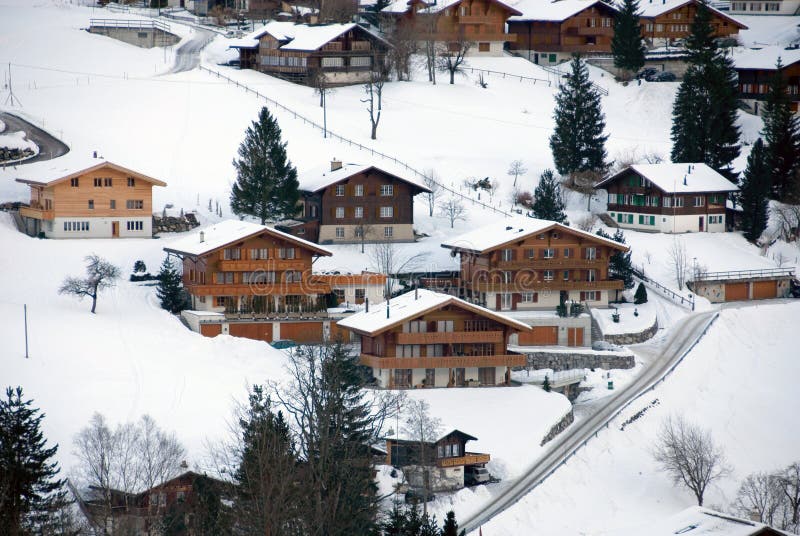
{"type": "Point", "coordinates": [416, 496]}
{"type": "Point", "coordinates": [283, 344]}
{"type": "Point", "coordinates": [647, 73]}
{"type": "Point", "coordinates": [476, 474]}
{"type": "Point", "coordinates": [605, 346]}
{"type": "Point", "coordinates": [664, 76]}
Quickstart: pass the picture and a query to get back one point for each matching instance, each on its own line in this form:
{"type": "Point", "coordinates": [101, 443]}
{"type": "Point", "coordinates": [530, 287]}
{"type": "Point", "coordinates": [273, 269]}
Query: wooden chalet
{"type": "Point", "coordinates": [354, 203]}
{"type": "Point", "coordinates": [550, 32]}
{"type": "Point", "coordinates": [666, 21]}
{"type": "Point", "coordinates": [447, 456]}
{"type": "Point", "coordinates": [481, 22]}
{"type": "Point", "coordinates": [355, 289]}
{"type": "Point", "coordinates": [668, 198]}
{"type": "Point", "coordinates": [427, 339]}
{"type": "Point", "coordinates": [330, 54]}
{"type": "Point", "coordinates": [93, 199]}
{"type": "Point", "coordinates": [756, 68]}
{"type": "Point", "coordinates": [765, 7]}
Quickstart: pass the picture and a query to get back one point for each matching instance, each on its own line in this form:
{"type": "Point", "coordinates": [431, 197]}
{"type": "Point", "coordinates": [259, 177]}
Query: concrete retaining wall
{"type": "Point", "coordinates": [633, 338]}
{"type": "Point", "coordinates": [579, 360]}
{"type": "Point", "coordinates": [140, 37]}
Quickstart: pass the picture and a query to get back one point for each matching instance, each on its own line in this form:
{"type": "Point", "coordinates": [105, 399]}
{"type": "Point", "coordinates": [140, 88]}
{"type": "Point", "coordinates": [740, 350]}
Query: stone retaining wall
{"type": "Point", "coordinates": [579, 360]}
{"type": "Point", "coordinates": [633, 338]}
{"type": "Point", "coordinates": [559, 427]}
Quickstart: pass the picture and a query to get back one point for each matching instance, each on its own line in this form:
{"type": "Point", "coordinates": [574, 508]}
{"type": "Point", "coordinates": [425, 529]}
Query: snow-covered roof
{"type": "Point", "coordinates": [653, 8]}
{"type": "Point", "coordinates": [50, 172]}
{"type": "Point", "coordinates": [765, 58]}
{"type": "Point", "coordinates": [434, 6]}
{"type": "Point", "coordinates": [228, 231]}
{"type": "Point", "coordinates": [398, 6]}
{"type": "Point", "coordinates": [676, 178]}
{"type": "Point", "coordinates": [698, 521]}
{"type": "Point", "coordinates": [320, 177]}
{"type": "Point", "coordinates": [556, 11]}
{"type": "Point", "coordinates": [280, 30]}
{"type": "Point", "coordinates": [411, 305]}
{"type": "Point", "coordinates": [512, 229]}
{"type": "Point", "coordinates": [303, 37]}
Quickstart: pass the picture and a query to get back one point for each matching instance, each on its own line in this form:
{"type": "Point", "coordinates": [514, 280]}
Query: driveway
{"type": "Point", "coordinates": [187, 57]}
{"type": "Point", "coordinates": [49, 147]}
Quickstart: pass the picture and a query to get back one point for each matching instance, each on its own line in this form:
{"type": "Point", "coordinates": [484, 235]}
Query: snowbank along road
{"type": "Point", "coordinates": [187, 57]}
{"type": "Point", "coordinates": [49, 147]}
{"type": "Point", "coordinates": [686, 333]}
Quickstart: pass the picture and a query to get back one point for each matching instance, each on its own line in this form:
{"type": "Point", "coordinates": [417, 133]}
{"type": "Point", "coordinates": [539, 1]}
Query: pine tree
{"type": "Point", "coordinates": [578, 143]}
{"type": "Point", "coordinates": [754, 191]}
{"type": "Point", "coordinates": [546, 384]}
{"type": "Point", "coordinates": [266, 185]}
{"type": "Point", "coordinates": [170, 289]}
{"type": "Point", "coordinates": [782, 138]}
{"type": "Point", "coordinates": [31, 495]}
{"type": "Point", "coordinates": [627, 45]}
{"type": "Point", "coordinates": [547, 204]}
{"type": "Point", "coordinates": [704, 114]}
{"type": "Point", "coordinates": [620, 266]}
{"type": "Point", "coordinates": [429, 527]}
{"type": "Point", "coordinates": [641, 295]}
{"type": "Point", "coordinates": [450, 527]}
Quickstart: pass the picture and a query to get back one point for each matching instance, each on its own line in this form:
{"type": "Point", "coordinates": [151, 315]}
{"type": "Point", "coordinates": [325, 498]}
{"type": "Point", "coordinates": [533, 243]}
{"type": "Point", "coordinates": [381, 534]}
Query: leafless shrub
{"type": "Point", "coordinates": [433, 183]}
{"type": "Point", "coordinates": [453, 209]}
{"type": "Point", "coordinates": [788, 218]}
{"type": "Point", "coordinates": [515, 169]}
{"type": "Point", "coordinates": [679, 261]}
{"type": "Point", "coordinates": [587, 222]}
{"type": "Point", "coordinates": [389, 259]}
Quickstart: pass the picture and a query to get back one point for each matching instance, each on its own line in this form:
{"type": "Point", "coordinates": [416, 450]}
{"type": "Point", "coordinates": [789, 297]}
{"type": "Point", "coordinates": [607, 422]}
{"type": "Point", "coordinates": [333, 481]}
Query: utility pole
{"type": "Point", "coordinates": [11, 98]}
{"type": "Point", "coordinates": [25, 317]}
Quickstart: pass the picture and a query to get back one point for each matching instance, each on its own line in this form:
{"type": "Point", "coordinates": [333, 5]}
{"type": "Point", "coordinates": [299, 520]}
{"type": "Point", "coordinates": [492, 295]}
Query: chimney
{"type": "Point", "coordinates": [684, 180]}
{"type": "Point", "coordinates": [416, 292]}
{"type": "Point", "coordinates": [366, 304]}
{"type": "Point", "coordinates": [690, 168]}
{"type": "Point", "coordinates": [202, 237]}
{"type": "Point", "coordinates": [94, 154]}
{"type": "Point", "coordinates": [387, 308]}
{"type": "Point", "coordinates": [336, 164]}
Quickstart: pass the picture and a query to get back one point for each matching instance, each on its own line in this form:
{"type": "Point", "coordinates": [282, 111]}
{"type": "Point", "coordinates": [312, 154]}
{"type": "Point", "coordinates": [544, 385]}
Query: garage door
{"type": "Point", "coordinates": [735, 291]}
{"type": "Point", "coordinates": [763, 290]}
{"type": "Point", "coordinates": [302, 331]}
{"type": "Point", "coordinates": [210, 330]}
{"type": "Point", "coordinates": [260, 331]}
{"type": "Point", "coordinates": [575, 336]}
{"type": "Point", "coordinates": [540, 336]}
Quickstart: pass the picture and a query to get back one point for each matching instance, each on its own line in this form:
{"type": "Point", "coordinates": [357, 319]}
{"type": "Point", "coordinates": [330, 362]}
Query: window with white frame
{"type": "Point", "coordinates": [232, 254]}
{"type": "Point", "coordinates": [667, 202]}
{"type": "Point", "coordinates": [505, 301]}
{"type": "Point", "coordinates": [549, 253]}
{"type": "Point", "coordinates": [548, 275]}
{"type": "Point", "coordinates": [360, 61]}
{"type": "Point", "coordinates": [340, 190]}
{"type": "Point", "coordinates": [529, 297]}
{"type": "Point", "coordinates": [359, 212]}
{"type": "Point", "coordinates": [340, 232]}
{"type": "Point", "coordinates": [699, 200]}
{"type": "Point", "coordinates": [259, 254]}
{"type": "Point", "coordinates": [387, 190]}
{"type": "Point", "coordinates": [359, 190]}
{"type": "Point", "coordinates": [286, 253]}
{"type": "Point", "coordinates": [591, 253]}
{"type": "Point", "coordinates": [591, 275]}
{"type": "Point", "coordinates": [508, 255]}
{"type": "Point", "coordinates": [388, 232]}
{"type": "Point", "coordinates": [678, 202]}
{"type": "Point", "coordinates": [136, 225]}
{"type": "Point", "coordinates": [333, 61]}
{"type": "Point", "coordinates": [387, 212]}
{"type": "Point", "coordinates": [134, 204]}
{"type": "Point", "coordinates": [339, 213]}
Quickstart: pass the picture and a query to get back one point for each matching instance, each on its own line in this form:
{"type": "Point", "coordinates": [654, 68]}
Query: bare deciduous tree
{"type": "Point", "coordinates": [374, 94]}
{"type": "Point", "coordinates": [689, 455]}
{"type": "Point", "coordinates": [788, 217]}
{"type": "Point", "coordinates": [389, 259]}
{"type": "Point", "coordinates": [760, 498]}
{"type": "Point", "coordinates": [420, 426]}
{"type": "Point", "coordinates": [679, 261]}
{"type": "Point", "coordinates": [425, 23]}
{"type": "Point", "coordinates": [362, 232]}
{"type": "Point", "coordinates": [450, 56]}
{"type": "Point", "coordinates": [515, 169]}
{"type": "Point", "coordinates": [100, 275]}
{"type": "Point", "coordinates": [789, 482]}
{"type": "Point", "coordinates": [404, 45]}
{"type": "Point", "coordinates": [453, 209]}
{"type": "Point", "coordinates": [587, 222]}
{"type": "Point", "coordinates": [432, 182]}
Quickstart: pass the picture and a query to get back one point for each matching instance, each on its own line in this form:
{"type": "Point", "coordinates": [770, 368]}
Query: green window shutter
{"type": "Point", "coordinates": [655, 201]}
{"type": "Point", "coordinates": [641, 219]}
{"type": "Point", "coordinates": [630, 218]}
{"type": "Point", "coordinates": [619, 218]}
{"type": "Point", "coordinates": [652, 220]}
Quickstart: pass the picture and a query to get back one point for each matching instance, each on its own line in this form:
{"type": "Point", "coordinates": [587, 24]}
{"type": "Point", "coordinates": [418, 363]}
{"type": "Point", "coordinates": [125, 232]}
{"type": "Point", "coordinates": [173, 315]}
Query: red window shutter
{"type": "Point", "coordinates": [583, 296]}
{"type": "Point", "coordinates": [555, 253]}
{"type": "Point", "coordinates": [535, 297]}
{"type": "Point", "coordinates": [497, 302]}
{"type": "Point", "coordinates": [515, 299]}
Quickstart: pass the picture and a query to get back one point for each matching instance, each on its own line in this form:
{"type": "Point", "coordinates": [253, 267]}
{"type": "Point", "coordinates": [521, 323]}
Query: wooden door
{"type": "Point", "coordinates": [700, 224]}
{"type": "Point", "coordinates": [763, 290]}
{"type": "Point", "coordinates": [115, 229]}
{"type": "Point", "coordinates": [540, 336]}
{"type": "Point", "coordinates": [735, 291]}
{"type": "Point", "coordinates": [574, 336]}
{"type": "Point", "coordinates": [210, 330]}
{"type": "Point", "coordinates": [302, 331]}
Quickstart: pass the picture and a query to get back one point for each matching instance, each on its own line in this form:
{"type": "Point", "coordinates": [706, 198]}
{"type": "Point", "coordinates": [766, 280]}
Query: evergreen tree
{"type": "Point", "coordinates": [139, 267]}
{"type": "Point", "coordinates": [627, 45]}
{"type": "Point", "coordinates": [620, 266]}
{"type": "Point", "coordinates": [170, 289]}
{"type": "Point", "coordinates": [754, 192]}
{"type": "Point", "coordinates": [782, 138]}
{"type": "Point", "coordinates": [704, 113]}
{"type": "Point", "coordinates": [31, 495]}
{"type": "Point", "coordinates": [578, 143]}
{"type": "Point", "coordinates": [266, 182]}
{"type": "Point", "coordinates": [547, 203]}
{"type": "Point", "coordinates": [395, 523]}
{"type": "Point", "coordinates": [546, 383]}
{"type": "Point", "coordinates": [641, 295]}
{"type": "Point", "coordinates": [450, 527]}
{"type": "Point", "coordinates": [429, 527]}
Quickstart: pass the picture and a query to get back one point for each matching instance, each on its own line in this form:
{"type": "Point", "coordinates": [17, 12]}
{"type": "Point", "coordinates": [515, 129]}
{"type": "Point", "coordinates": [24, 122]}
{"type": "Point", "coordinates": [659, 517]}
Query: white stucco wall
{"type": "Point", "coordinates": [98, 228]}
{"type": "Point", "coordinates": [671, 224]}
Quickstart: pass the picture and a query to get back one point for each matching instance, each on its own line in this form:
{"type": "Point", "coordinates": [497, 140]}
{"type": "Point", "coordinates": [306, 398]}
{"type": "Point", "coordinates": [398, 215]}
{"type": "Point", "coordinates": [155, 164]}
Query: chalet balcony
{"type": "Point", "coordinates": [546, 264]}
{"type": "Point", "coordinates": [258, 289]}
{"type": "Point", "coordinates": [473, 19]}
{"type": "Point", "coordinates": [537, 286]}
{"type": "Point", "coordinates": [503, 360]}
{"type": "Point", "coordinates": [449, 337]}
{"type": "Point", "coordinates": [36, 212]}
{"type": "Point", "coordinates": [594, 30]}
{"type": "Point", "coordinates": [469, 458]}
{"type": "Point", "coordinates": [267, 265]}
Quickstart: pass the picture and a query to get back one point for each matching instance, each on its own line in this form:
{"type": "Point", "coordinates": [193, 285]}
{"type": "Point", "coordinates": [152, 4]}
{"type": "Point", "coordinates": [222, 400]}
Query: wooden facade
{"type": "Point", "coordinates": [449, 450]}
{"type": "Point", "coordinates": [666, 26]}
{"type": "Point", "coordinates": [587, 31]}
{"type": "Point", "coordinates": [104, 200]}
{"type": "Point", "coordinates": [754, 84]}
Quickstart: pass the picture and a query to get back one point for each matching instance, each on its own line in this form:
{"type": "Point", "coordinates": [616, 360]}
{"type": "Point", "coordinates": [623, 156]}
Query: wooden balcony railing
{"type": "Point", "coordinates": [36, 213]}
{"type": "Point", "coordinates": [546, 264]}
{"type": "Point", "coordinates": [266, 265]}
{"type": "Point", "coordinates": [505, 360]}
{"type": "Point", "coordinates": [536, 286]}
{"type": "Point", "coordinates": [449, 337]}
{"type": "Point", "coordinates": [258, 289]}
{"type": "Point", "coordinates": [469, 458]}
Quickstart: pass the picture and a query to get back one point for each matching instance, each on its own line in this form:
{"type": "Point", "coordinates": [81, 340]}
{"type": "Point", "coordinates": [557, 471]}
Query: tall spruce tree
{"type": "Point", "coordinates": [31, 494]}
{"type": "Point", "coordinates": [754, 192]}
{"type": "Point", "coordinates": [782, 139]}
{"type": "Point", "coordinates": [704, 113]}
{"type": "Point", "coordinates": [547, 202]}
{"type": "Point", "coordinates": [266, 182]}
{"type": "Point", "coordinates": [627, 45]}
{"type": "Point", "coordinates": [170, 289]}
{"type": "Point", "coordinates": [578, 143]}
{"type": "Point", "coordinates": [450, 526]}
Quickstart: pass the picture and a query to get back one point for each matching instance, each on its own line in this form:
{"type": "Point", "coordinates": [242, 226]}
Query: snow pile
{"type": "Point", "coordinates": [17, 140]}
{"type": "Point", "coordinates": [629, 322]}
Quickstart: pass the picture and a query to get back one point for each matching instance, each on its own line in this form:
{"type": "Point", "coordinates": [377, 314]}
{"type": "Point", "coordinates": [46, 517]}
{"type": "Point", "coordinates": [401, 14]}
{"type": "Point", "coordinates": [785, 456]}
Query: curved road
{"type": "Point", "coordinates": [49, 146]}
{"type": "Point", "coordinates": [187, 57]}
{"type": "Point", "coordinates": [663, 355]}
